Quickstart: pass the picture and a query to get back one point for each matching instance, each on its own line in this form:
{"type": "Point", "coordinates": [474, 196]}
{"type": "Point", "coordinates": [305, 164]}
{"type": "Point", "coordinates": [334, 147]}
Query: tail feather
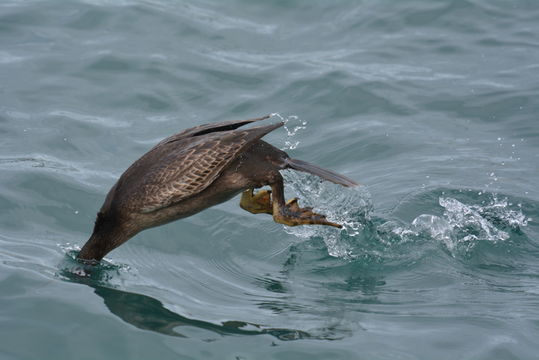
{"type": "Point", "coordinates": [329, 175]}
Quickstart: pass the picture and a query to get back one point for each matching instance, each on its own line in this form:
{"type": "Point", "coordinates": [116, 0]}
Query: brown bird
{"type": "Point", "coordinates": [198, 168]}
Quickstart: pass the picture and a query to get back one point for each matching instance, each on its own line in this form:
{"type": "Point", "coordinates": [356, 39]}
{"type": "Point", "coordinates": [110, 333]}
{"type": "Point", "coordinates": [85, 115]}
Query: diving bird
{"type": "Point", "coordinates": [198, 168]}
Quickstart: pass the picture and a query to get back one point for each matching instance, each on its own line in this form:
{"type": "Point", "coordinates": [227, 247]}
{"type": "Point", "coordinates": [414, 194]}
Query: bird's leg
{"type": "Point", "coordinates": [290, 213]}
{"type": "Point", "coordinates": [257, 203]}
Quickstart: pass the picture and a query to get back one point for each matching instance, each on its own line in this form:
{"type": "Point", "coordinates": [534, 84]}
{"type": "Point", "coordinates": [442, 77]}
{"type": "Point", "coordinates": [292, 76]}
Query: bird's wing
{"type": "Point", "coordinates": [175, 171]}
{"type": "Point", "coordinates": [209, 128]}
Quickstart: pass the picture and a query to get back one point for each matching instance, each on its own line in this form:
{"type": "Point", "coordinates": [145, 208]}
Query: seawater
{"type": "Point", "coordinates": [431, 106]}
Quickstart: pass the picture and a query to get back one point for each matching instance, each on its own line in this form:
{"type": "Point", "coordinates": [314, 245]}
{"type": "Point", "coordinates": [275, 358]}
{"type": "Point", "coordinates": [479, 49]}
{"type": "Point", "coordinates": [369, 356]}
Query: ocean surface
{"type": "Point", "coordinates": [433, 106]}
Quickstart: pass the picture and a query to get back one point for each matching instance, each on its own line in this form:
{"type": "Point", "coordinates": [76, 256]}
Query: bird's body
{"type": "Point", "coordinates": [196, 169]}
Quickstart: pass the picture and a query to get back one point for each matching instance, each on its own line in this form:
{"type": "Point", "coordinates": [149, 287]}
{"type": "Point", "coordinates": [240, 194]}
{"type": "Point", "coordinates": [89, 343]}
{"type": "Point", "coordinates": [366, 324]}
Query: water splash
{"type": "Point", "coordinates": [461, 226]}
{"type": "Point", "coordinates": [106, 272]}
{"type": "Point", "coordinates": [292, 125]}
{"type": "Point", "coordinates": [350, 207]}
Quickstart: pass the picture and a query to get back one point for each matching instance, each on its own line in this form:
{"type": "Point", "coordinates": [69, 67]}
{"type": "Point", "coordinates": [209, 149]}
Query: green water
{"type": "Point", "coordinates": [431, 105]}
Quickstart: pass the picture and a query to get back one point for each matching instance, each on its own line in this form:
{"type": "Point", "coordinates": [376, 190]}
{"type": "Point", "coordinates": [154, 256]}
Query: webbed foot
{"type": "Point", "coordinates": [292, 215]}
{"type": "Point", "coordinates": [257, 203]}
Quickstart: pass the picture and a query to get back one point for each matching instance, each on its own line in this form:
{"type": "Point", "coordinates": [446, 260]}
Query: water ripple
{"type": "Point", "coordinates": [90, 119]}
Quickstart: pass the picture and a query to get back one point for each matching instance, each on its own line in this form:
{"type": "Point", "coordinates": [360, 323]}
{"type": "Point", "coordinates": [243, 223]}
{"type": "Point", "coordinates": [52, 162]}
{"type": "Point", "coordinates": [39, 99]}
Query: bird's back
{"type": "Point", "coordinates": [181, 166]}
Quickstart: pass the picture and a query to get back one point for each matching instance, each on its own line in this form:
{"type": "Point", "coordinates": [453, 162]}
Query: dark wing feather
{"type": "Point", "coordinates": [208, 128]}
{"type": "Point", "coordinates": [190, 171]}
{"type": "Point", "coordinates": [177, 170]}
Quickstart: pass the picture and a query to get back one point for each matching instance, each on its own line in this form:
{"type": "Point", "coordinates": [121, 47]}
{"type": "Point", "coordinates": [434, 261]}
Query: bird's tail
{"type": "Point", "coordinates": [304, 166]}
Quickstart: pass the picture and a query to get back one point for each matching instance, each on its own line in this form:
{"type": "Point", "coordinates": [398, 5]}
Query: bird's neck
{"type": "Point", "coordinates": [101, 243]}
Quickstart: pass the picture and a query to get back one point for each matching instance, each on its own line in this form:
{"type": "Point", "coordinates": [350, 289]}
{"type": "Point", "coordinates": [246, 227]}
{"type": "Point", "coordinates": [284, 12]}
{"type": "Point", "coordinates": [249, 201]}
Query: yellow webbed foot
{"type": "Point", "coordinates": [292, 215]}
{"type": "Point", "coordinates": [257, 203]}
